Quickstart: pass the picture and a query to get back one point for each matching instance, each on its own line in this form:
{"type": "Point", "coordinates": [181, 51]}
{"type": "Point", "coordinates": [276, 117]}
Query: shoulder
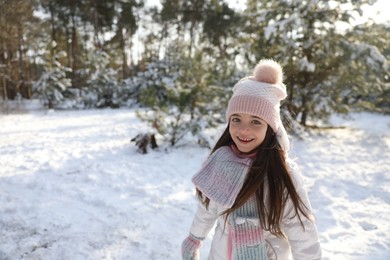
{"type": "Point", "coordinates": [292, 165]}
{"type": "Point", "coordinates": [295, 172]}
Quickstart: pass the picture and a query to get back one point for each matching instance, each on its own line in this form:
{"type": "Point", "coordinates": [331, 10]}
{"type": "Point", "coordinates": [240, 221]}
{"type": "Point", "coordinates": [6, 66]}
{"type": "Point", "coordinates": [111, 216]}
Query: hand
{"type": "Point", "coordinates": [190, 248]}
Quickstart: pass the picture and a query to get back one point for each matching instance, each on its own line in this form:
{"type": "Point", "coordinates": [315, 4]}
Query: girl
{"type": "Point", "coordinates": [248, 184]}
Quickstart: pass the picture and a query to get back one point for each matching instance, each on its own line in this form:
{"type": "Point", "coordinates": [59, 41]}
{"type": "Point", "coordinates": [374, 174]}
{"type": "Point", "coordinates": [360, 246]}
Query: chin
{"type": "Point", "coordinates": [245, 150]}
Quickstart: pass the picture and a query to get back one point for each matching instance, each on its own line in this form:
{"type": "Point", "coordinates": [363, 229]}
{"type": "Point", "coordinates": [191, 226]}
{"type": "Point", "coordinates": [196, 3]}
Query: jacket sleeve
{"type": "Point", "coordinates": [304, 241]}
{"type": "Point", "coordinates": [204, 220]}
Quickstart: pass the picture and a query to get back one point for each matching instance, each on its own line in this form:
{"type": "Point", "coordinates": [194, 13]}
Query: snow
{"type": "Point", "coordinates": [306, 65]}
{"type": "Point", "coordinates": [374, 55]}
{"type": "Point", "coordinates": [72, 186]}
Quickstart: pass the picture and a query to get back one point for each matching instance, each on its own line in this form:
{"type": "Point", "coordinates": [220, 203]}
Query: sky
{"type": "Point", "coordinates": [377, 12]}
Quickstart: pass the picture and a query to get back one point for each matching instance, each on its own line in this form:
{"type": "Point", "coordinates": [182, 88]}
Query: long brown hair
{"type": "Point", "coordinates": [268, 168]}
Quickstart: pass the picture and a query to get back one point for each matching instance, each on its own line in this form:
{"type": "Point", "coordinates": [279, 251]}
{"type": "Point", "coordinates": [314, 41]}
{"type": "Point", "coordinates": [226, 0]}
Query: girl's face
{"type": "Point", "coordinates": [247, 131]}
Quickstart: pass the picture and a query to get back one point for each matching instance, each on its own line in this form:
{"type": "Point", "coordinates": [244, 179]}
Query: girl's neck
{"type": "Point", "coordinates": [240, 154]}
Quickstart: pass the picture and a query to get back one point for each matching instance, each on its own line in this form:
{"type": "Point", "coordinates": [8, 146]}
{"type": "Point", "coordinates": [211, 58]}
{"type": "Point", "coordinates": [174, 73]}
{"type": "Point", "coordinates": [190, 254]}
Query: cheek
{"type": "Point", "coordinates": [231, 129]}
{"type": "Point", "coordinates": [262, 134]}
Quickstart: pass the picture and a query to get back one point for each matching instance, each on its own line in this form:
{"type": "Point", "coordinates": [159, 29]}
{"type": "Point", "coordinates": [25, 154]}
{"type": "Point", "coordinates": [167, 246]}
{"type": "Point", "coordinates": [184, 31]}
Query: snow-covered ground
{"type": "Point", "coordinates": [72, 186]}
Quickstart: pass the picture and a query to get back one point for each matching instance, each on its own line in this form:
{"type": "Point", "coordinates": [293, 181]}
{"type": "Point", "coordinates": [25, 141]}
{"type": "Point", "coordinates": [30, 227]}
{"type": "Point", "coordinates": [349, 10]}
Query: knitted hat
{"type": "Point", "coordinates": [260, 95]}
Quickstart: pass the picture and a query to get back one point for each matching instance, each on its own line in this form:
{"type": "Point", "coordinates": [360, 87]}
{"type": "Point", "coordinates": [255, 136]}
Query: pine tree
{"type": "Point", "coordinates": [179, 96]}
{"type": "Point", "coordinates": [102, 80]}
{"type": "Point", "coordinates": [53, 83]}
{"type": "Point", "coordinates": [368, 81]}
{"type": "Point", "coordinates": [304, 37]}
{"type": "Point", "coordinates": [221, 27]}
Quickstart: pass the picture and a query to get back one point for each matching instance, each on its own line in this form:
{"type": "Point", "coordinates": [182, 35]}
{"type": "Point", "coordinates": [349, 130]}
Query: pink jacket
{"type": "Point", "coordinates": [299, 244]}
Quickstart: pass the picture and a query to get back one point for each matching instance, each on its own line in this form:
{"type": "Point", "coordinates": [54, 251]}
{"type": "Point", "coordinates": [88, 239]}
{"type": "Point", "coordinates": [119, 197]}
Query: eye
{"type": "Point", "coordinates": [256, 122]}
{"type": "Point", "coordinates": [235, 119]}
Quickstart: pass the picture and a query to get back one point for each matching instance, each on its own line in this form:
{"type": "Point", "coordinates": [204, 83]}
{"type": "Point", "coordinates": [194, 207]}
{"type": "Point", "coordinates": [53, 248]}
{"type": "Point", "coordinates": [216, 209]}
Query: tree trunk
{"type": "Point", "coordinates": [74, 53]}
{"type": "Point", "coordinates": [20, 64]}
{"type": "Point", "coordinates": [122, 44]}
{"type": "Point", "coordinates": [304, 117]}
{"type": "Point", "coordinates": [5, 94]}
{"type": "Point", "coordinates": [68, 48]}
{"type": "Point", "coordinates": [28, 77]}
{"type": "Point", "coordinates": [53, 29]}
{"type": "Point", "coordinates": [131, 61]}
{"type": "Point", "coordinates": [98, 44]}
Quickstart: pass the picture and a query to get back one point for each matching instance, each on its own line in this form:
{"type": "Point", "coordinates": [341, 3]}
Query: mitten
{"type": "Point", "coordinates": [190, 247]}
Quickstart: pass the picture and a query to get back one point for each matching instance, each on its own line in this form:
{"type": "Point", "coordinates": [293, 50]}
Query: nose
{"type": "Point", "coordinates": [243, 128]}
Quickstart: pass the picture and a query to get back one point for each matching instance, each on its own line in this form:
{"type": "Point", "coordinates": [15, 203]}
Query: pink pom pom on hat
{"type": "Point", "coordinates": [260, 95]}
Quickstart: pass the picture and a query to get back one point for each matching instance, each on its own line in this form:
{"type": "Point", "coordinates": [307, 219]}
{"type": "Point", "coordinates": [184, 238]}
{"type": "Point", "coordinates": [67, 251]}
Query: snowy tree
{"type": "Point", "coordinates": [102, 80]}
{"type": "Point", "coordinates": [368, 81]}
{"type": "Point", "coordinates": [304, 36]}
{"type": "Point", "coordinates": [53, 83]}
{"type": "Point", "coordinates": [180, 97]}
{"type": "Point", "coordinates": [220, 27]}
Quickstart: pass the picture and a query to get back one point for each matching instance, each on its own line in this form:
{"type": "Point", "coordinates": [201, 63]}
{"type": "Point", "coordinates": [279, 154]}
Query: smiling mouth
{"type": "Point", "coordinates": [244, 140]}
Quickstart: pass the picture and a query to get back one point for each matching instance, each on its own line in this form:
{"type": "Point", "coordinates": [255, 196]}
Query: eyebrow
{"type": "Point", "coordinates": [251, 116]}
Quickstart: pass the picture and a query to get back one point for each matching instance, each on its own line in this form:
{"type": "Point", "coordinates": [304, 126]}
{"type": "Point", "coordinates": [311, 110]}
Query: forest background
{"type": "Point", "coordinates": [179, 59]}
